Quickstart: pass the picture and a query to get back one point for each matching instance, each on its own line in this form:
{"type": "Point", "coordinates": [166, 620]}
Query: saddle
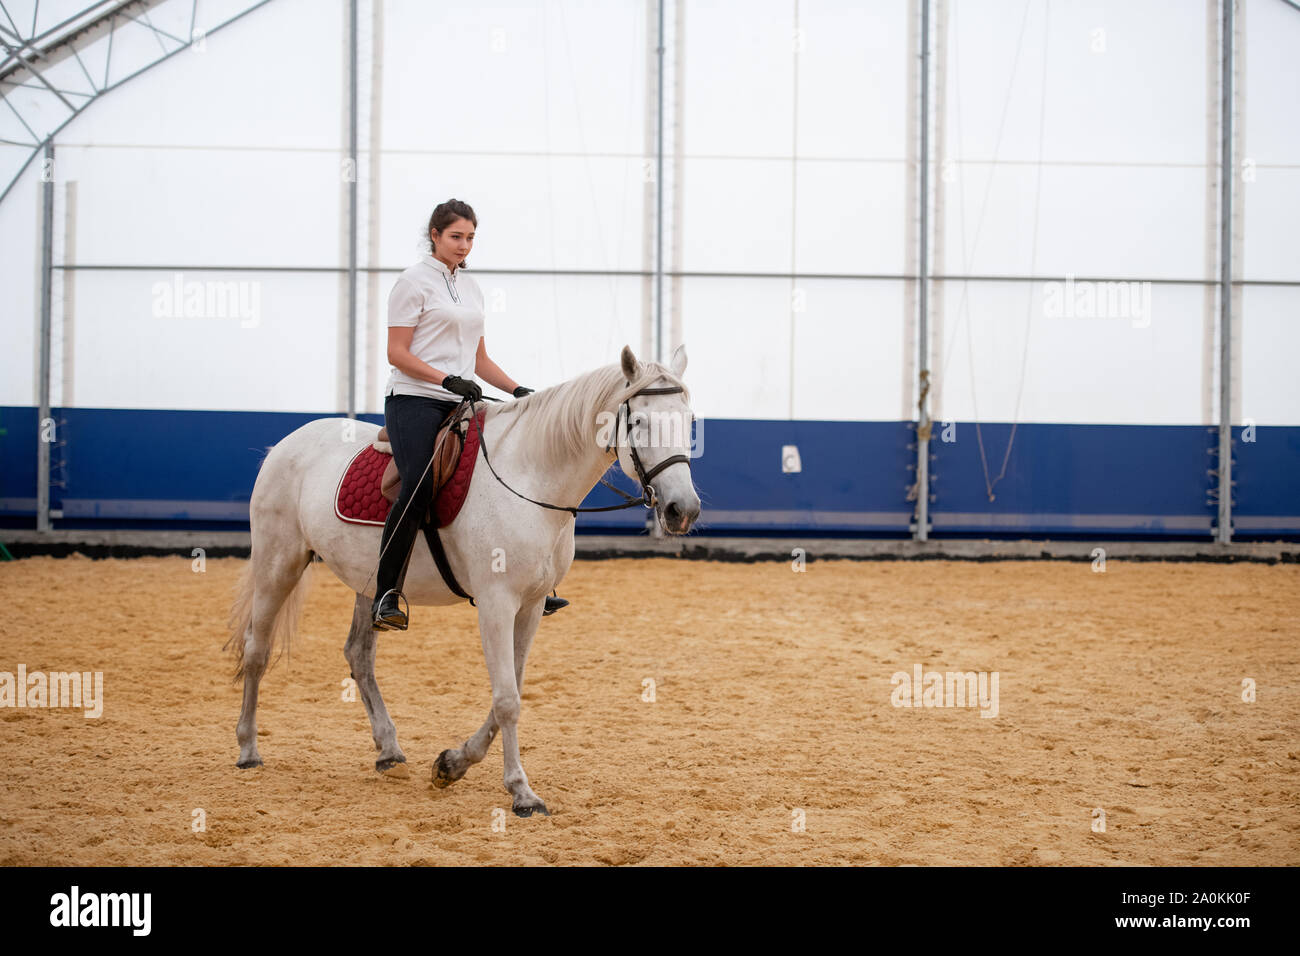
{"type": "Point", "coordinates": [446, 456]}
{"type": "Point", "coordinates": [371, 483]}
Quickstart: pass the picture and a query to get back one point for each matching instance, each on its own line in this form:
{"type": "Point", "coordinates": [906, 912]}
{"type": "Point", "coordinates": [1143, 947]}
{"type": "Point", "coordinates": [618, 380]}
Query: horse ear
{"type": "Point", "coordinates": [631, 367]}
{"type": "Point", "coordinates": [678, 362]}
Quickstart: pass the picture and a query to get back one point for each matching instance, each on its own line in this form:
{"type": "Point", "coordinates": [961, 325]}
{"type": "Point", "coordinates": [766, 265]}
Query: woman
{"type": "Point", "coordinates": [436, 348]}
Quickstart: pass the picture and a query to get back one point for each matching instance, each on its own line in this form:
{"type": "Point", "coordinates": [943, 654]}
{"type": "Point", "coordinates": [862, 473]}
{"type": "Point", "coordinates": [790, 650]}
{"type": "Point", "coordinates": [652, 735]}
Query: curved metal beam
{"type": "Point", "coordinates": [59, 38]}
{"type": "Point", "coordinates": [53, 46]}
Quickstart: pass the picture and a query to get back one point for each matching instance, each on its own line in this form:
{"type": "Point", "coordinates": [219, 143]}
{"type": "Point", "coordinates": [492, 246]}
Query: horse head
{"type": "Point", "coordinates": [655, 438]}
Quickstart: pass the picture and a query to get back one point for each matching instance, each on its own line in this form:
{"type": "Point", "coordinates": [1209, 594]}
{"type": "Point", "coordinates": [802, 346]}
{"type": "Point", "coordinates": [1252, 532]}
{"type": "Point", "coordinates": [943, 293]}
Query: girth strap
{"type": "Point", "coordinates": [434, 539]}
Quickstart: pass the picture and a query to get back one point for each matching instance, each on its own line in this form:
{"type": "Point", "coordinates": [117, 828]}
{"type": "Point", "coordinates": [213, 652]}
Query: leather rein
{"type": "Point", "coordinates": [648, 496]}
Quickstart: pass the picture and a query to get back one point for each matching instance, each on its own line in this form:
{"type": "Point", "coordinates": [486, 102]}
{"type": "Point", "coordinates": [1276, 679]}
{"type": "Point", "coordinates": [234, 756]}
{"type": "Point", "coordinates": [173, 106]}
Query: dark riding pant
{"type": "Point", "coordinates": [412, 422]}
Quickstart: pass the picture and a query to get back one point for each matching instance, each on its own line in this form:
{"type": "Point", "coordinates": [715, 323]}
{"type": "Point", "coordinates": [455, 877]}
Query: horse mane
{"type": "Point", "coordinates": [561, 420]}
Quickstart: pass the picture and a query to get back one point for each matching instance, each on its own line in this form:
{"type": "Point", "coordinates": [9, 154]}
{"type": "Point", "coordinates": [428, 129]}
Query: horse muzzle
{"type": "Point", "coordinates": [678, 518]}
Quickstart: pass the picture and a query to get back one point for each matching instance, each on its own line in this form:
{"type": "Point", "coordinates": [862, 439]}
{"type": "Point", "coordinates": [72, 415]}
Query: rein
{"type": "Point", "coordinates": [648, 496]}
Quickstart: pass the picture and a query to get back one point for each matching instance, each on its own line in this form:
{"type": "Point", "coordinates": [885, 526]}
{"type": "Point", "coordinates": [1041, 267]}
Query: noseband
{"type": "Point", "coordinates": [648, 496]}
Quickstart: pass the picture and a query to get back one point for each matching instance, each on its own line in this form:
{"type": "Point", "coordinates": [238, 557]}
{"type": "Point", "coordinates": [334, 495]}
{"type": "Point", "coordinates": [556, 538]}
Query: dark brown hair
{"type": "Point", "coordinates": [444, 214]}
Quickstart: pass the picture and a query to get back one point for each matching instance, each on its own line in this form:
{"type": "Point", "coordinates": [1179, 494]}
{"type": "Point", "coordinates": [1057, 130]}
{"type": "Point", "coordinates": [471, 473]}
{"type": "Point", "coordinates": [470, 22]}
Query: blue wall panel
{"type": "Point", "coordinates": [854, 476]}
{"type": "Point", "coordinates": [127, 468]}
{"type": "Point", "coordinates": [18, 460]}
{"type": "Point", "coordinates": [1266, 482]}
{"type": "Point", "coordinates": [1073, 479]}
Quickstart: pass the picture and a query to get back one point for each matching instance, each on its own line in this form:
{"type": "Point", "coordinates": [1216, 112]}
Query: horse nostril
{"type": "Point", "coordinates": [672, 512]}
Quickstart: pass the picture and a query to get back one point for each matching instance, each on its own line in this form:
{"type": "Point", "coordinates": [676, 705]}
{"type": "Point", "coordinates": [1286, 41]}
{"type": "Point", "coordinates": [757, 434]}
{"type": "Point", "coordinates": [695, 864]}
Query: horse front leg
{"type": "Point", "coordinates": [453, 764]}
{"type": "Point", "coordinates": [360, 652]}
{"type": "Point", "coordinates": [496, 618]}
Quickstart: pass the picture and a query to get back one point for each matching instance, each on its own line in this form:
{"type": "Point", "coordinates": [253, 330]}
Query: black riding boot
{"type": "Point", "coordinates": [387, 613]}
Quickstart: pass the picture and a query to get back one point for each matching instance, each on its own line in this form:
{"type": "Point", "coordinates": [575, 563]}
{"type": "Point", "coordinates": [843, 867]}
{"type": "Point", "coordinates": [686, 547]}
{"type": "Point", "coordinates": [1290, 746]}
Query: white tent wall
{"type": "Point", "coordinates": [20, 289]}
{"type": "Point", "coordinates": [1268, 180]}
{"type": "Point", "coordinates": [846, 358]}
{"type": "Point", "coordinates": [226, 155]}
{"type": "Point", "coordinates": [1004, 360]}
{"type": "Point", "coordinates": [1075, 147]}
{"type": "Point", "coordinates": [535, 115]}
{"type": "Point", "coordinates": [1271, 344]}
{"type": "Point", "coordinates": [798, 163]}
{"type": "Point", "coordinates": [1268, 185]}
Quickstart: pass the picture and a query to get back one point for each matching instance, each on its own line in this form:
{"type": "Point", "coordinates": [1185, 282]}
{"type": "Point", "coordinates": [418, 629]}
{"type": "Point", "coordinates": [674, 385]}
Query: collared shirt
{"type": "Point", "coordinates": [446, 310]}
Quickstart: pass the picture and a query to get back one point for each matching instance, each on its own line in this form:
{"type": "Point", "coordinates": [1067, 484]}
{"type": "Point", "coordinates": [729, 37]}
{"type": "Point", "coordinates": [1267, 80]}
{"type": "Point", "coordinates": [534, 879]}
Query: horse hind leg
{"type": "Point", "coordinates": [268, 607]}
{"type": "Point", "coordinates": [360, 652]}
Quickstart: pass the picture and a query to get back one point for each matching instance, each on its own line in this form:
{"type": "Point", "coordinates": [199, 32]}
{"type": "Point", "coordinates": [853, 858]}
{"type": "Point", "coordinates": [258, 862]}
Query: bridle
{"type": "Point", "coordinates": [648, 496]}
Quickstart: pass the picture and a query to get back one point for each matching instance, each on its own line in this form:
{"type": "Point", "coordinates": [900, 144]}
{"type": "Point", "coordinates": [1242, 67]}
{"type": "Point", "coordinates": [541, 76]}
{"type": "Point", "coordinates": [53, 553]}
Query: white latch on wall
{"type": "Point", "coordinates": [790, 463]}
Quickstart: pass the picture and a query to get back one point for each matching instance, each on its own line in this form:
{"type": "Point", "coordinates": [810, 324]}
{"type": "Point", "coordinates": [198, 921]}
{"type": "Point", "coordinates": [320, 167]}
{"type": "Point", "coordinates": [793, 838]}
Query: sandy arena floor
{"type": "Point", "coordinates": [1120, 691]}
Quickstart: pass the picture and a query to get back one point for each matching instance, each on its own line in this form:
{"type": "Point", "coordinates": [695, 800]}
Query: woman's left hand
{"type": "Point", "coordinates": [522, 390]}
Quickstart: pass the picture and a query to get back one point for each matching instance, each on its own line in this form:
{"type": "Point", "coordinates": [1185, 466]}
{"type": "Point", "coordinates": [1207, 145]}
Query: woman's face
{"type": "Point", "coordinates": [454, 243]}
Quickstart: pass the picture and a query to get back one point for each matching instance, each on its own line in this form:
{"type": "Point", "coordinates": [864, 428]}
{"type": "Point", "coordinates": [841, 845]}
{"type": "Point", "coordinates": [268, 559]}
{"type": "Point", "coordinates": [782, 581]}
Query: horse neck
{"type": "Point", "coordinates": [566, 484]}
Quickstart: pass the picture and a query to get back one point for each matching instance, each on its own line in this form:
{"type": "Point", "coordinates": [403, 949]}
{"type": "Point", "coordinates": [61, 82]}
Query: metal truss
{"type": "Point", "coordinates": [54, 67]}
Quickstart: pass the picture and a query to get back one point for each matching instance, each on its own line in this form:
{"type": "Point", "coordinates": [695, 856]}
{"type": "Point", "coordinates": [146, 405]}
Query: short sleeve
{"type": "Point", "coordinates": [405, 303]}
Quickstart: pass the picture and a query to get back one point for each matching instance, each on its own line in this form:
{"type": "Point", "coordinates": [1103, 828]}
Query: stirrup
{"type": "Point", "coordinates": [553, 604]}
{"type": "Point", "coordinates": [397, 619]}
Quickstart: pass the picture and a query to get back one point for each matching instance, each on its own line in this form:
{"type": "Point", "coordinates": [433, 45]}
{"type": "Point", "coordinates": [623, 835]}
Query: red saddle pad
{"type": "Point", "coordinates": [359, 501]}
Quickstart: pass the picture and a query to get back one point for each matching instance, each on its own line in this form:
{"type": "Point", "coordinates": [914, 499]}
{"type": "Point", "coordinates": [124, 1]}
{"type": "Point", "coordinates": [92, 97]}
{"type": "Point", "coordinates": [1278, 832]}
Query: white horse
{"type": "Point", "coordinates": [507, 552]}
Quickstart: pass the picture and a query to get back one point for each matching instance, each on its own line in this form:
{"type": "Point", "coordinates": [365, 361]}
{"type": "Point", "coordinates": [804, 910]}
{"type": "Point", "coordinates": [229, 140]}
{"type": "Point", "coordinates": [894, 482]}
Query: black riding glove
{"type": "Point", "coordinates": [470, 390]}
{"type": "Point", "coordinates": [522, 390]}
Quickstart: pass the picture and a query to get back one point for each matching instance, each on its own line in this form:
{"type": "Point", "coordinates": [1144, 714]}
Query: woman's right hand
{"type": "Point", "coordinates": [471, 390]}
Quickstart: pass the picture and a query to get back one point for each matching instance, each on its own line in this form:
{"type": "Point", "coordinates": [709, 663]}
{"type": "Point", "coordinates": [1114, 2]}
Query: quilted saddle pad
{"type": "Point", "coordinates": [359, 500]}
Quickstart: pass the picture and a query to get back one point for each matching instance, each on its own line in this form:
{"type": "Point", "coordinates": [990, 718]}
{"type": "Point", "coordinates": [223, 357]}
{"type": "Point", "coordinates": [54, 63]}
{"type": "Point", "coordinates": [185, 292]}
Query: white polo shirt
{"type": "Point", "coordinates": [446, 310]}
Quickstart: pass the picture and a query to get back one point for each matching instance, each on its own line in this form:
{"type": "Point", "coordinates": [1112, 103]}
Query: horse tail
{"type": "Point", "coordinates": [241, 612]}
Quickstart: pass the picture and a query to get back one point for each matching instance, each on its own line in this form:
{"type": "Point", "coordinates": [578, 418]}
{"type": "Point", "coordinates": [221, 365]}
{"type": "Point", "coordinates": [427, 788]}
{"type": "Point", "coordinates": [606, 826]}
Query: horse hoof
{"type": "Point", "coordinates": [393, 768]}
{"type": "Point", "coordinates": [530, 810]}
{"type": "Point", "coordinates": [443, 775]}
{"type": "Point", "coordinates": [249, 764]}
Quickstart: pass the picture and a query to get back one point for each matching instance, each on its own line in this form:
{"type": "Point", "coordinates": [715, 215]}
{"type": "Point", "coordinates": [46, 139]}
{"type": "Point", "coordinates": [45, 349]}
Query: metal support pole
{"type": "Point", "coordinates": [1224, 531]}
{"type": "Point", "coordinates": [679, 176]}
{"type": "Point", "coordinates": [352, 212]}
{"type": "Point", "coordinates": [922, 532]}
{"type": "Point", "coordinates": [659, 199]}
{"type": "Point", "coordinates": [792, 346]}
{"type": "Point", "coordinates": [44, 439]}
{"type": "Point", "coordinates": [652, 523]}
